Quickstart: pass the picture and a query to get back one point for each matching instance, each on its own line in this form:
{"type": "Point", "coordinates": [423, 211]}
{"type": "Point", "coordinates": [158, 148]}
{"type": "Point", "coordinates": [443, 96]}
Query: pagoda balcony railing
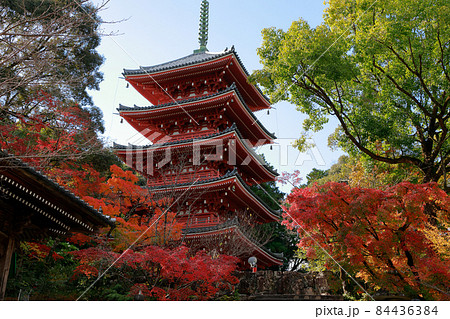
{"type": "Point", "coordinates": [195, 222]}
{"type": "Point", "coordinates": [191, 136]}
{"type": "Point", "coordinates": [184, 178]}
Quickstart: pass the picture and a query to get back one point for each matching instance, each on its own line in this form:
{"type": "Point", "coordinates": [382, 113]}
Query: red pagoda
{"type": "Point", "coordinates": [203, 130]}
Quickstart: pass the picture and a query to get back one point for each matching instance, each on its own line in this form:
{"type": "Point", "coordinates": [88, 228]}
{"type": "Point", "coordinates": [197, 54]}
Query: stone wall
{"type": "Point", "coordinates": [279, 285]}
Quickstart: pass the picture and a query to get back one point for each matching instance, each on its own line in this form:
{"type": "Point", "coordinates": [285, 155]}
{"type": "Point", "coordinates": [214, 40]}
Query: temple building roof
{"type": "Point", "coordinates": [228, 180]}
{"type": "Point", "coordinates": [204, 62]}
{"type": "Point", "coordinates": [232, 131]}
{"type": "Point", "coordinates": [154, 111]}
{"type": "Point", "coordinates": [181, 62]}
{"type": "Point", "coordinates": [203, 104]}
{"type": "Point", "coordinates": [34, 206]}
{"type": "Point", "coordinates": [265, 256]}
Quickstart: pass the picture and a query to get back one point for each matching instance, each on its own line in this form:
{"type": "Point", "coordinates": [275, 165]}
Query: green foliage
{"type": "Point", "coordinates": [269, 194]}
{"type": "Point", "coordinates": [314, 263]}
{"type": "Point", "coordinates": [39, 276]}
{"type": "Point", "coordinates": [362, 171]}
{"type": "Point", "coordinates": [282, 240]}
{"type": "Point", "coordinates": [380, 68]}
{"type": "Point", "coordinates": [315, 175]}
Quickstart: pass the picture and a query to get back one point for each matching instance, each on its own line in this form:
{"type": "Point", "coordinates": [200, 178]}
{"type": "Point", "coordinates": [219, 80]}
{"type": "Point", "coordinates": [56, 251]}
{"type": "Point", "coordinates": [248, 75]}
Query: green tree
{"type": "Point", "coordinates": [281, 239]}
{"type": "Point", "coordinates": [380, 68]}
{"type": "Point", "coordinates": [362, 171]}
{"type": "Point", "coordinates": [48, 45]}
{"type": "Point", "coordinates": [270, 194]}
{"type": "Point", "coordinates": [316, 175]}
{"type": "Point", "coordinates": [48, 62]}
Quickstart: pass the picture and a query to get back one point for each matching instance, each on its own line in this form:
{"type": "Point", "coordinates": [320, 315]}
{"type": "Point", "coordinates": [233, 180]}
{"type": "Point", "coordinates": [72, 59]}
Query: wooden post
{"type": "Point", "coordinates": [6, 251]}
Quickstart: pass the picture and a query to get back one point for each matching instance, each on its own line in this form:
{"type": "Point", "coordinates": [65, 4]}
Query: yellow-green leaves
{"type": "Point", "coordinates": [382, 68]}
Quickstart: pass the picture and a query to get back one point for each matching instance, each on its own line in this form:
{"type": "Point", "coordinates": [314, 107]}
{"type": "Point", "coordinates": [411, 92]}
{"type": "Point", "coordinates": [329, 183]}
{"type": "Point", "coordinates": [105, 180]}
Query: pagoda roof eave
{"type": "Point", "coordinates": [233, 225]}
{"type": "Point", "coordinates": [230, 177]}
{"type": "Point", "coordinates": [189, 60]}
{"type": "Point", "coordinates": [192, 60]}
{"type": "Point", "coordinates": [123, 110]}
{"type": "Point", "coordinates": [231, 130]}
{"type": "Point", "coordinates": [135, 108]}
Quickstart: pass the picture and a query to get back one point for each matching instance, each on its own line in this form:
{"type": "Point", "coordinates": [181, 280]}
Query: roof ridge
{"type": "Point", "coordinates": [190, 60]}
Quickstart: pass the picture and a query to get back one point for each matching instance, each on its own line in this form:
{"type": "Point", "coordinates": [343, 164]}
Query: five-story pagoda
{"type": "Point", "coordinates": [203, 131]}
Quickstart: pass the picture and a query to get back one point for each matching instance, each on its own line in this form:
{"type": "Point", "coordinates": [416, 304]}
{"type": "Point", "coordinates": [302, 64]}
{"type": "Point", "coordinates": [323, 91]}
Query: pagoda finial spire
{"type": "Point", "coordinates": [203, 30]}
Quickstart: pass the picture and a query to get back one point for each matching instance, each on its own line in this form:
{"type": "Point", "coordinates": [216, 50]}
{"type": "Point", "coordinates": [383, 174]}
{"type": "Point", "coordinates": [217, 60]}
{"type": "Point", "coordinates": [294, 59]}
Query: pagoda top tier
{"type": "Point", "coordinates": [196, 75]}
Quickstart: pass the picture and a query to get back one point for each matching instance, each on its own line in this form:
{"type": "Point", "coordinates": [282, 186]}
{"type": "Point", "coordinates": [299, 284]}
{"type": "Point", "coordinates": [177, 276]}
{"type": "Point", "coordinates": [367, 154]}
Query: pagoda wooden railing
{"type": "Point", "coordinates": [192, 135]}
{"type": "Point", "coordinates": [185, 178]}
{"type": "Point", "coordinates": [203, 221]}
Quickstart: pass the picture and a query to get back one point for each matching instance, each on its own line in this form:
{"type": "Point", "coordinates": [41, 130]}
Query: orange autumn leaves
{"type": "Point", "coordinates": [137, 215]}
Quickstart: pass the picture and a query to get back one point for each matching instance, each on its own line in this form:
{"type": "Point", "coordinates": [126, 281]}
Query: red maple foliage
{"type": "Point", "coordinates": [163, 273]}
{"type": "Point", "coordinates": [137, 216]}
{"type": "Point", "coordinates": [375, 234]}
{"type": "Point", "coordinates": [146, 245]}
{"type": "Point", "coordinates": [292, 179]}
{"type": "Point", "coordinates": [49, 132]}
{"type": "Point", "coordinates": [39, 251]}
{"type": "Point", "coordinates": [55, 136]}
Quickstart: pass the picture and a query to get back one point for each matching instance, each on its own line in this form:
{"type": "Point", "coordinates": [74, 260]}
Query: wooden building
{"type": "Point", "coordinates": [203, 132]}
{"type": "Point", "coordinates": [33, 207]}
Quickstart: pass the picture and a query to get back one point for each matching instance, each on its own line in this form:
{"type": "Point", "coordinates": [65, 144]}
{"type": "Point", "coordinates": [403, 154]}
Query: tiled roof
{"type": "Point", "coordinates": [233, 173]}
{"type": "Point", "coordinates": [232, 87]}
{"type": "Point", "coordinates": [182, 62]}
{"type": "Point", "coordinates": [189, 60]}
{"type": "Point", "coordinates": [175, 142]}
{"type": "Point", "coordinates": [195, 99]}
{"type": "Point", "coordinates": [186, 141]}
{"type": "Point", "coordinates": [228, 224]}
{"type": "Point", "coordinates": [18, 164]}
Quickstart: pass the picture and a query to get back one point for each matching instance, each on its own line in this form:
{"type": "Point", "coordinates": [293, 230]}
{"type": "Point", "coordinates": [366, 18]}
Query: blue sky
{"type": "Point", "coordinates": [149, 32]}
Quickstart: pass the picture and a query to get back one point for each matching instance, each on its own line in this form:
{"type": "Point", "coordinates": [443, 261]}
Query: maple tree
{"type": "Point", "coordinates": [63, 148]}
{"type": "Point", "coordinates": [379, 236]}
{"type": "Point", "coordinates": [161, 273]}
{"type": "Point", "coordinates": [135, 211]}
{"type": "Point", "coordinates": [439, 236]}
{"type": "Point", "coordinates": [144, 251]}
{"type": "Point", "coordinates": [146, 248]}
{"type": "Point", "coordinates": [48, 62]}
{"type": "Point", "coordinates": [361, 171]}
{"type": "Point", "coordinates": [56, 133]}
